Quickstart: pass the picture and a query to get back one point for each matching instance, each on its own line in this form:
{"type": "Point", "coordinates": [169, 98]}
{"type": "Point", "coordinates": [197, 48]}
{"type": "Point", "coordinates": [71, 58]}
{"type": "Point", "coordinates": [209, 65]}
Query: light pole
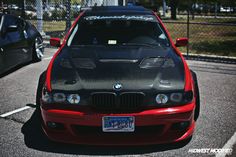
{"type": "Point", "coordinates": [164, 8]}
{"type": "Point", "coordinates": [39, 6]}
{"type": "Point", "coordinates": [23, 9]}
{"type": "Point", "coordinates": [124, 2]}
{"type": "Point", "coordinates": [216, 9]}
{"type": "Point", "coordinates": [68, 21]}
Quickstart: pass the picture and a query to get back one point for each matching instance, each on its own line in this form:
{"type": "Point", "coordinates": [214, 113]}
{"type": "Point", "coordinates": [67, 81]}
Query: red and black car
{"type": "Point", "coordinates": [118, 79]}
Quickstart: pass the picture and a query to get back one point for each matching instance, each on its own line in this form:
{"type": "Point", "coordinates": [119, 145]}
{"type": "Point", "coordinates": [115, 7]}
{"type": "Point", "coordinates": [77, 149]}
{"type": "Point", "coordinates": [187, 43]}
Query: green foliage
{"type": "Point", "coordinates": [58, 14]}
{"type": "Point", "coordinates": [207, 39]}
{"type": "Point", "coordinates": [75, 1]}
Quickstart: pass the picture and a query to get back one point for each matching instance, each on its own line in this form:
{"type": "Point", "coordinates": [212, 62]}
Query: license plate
{"type": "Point", "coordinates": [118, 124]}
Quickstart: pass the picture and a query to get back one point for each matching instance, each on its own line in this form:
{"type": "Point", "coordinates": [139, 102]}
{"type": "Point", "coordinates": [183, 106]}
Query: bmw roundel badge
{"type": "Point", "coordinates": [117, 86]}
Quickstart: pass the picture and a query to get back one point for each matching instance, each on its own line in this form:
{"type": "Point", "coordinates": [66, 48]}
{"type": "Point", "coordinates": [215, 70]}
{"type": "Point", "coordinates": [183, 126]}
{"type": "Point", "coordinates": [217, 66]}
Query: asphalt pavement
{"type": "Point", "coordinates": [21, 134]}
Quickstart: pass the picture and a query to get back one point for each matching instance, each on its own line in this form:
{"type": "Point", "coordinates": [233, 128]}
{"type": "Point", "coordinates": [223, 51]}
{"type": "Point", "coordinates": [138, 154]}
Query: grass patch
{"type": "Point", "coordinates": [53, 28]}
{"type": "Point", "coordinates": [206, 39]}
{"type": "Point", "coordinates": [223, 48]}
{"type": "Point", "coordinates": [183, 18]}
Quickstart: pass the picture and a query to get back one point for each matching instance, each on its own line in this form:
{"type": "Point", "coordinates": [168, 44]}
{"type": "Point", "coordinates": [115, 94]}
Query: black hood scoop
{"type": "Point", "coordinates": [99, 68]}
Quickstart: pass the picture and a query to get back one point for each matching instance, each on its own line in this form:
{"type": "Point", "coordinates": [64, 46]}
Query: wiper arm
{"type": "Point", "coordinates": [88, 45]}
{"type": "Point", "coordinates": [141, 44]}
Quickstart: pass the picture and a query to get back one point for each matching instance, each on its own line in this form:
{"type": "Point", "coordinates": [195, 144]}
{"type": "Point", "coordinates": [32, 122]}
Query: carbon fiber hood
{"type": "Point", "coordinates": [100, 68]}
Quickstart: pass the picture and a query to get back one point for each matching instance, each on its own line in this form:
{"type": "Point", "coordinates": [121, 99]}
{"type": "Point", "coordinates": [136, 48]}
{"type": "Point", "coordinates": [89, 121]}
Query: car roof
{"type": "Point", "coordinates": [1, 14]}
{"type": "Point", "coordinates": [118, 9]}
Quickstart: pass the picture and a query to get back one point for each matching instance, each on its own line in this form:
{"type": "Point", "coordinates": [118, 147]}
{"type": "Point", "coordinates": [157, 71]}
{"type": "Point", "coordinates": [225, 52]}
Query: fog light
{"type": "Point", "coordinates": [180, 125]}
{"type": "Point", "coordinates": [184, 125]}
{"type": "Point", "coordinates": [51, 124]}
{"type": "Point", "coordinates": [54, 125]}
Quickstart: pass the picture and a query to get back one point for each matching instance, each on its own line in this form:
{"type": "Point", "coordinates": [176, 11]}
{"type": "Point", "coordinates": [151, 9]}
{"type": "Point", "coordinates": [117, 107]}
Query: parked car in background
{"type": "Point", "coordinates": [20, 42]}
{"type": "Point", "coordinates": [3, 8]}
{"type": "Point", "coordinates": [14, 9]}
{"type": "Point", "coordinates": [226, 9]}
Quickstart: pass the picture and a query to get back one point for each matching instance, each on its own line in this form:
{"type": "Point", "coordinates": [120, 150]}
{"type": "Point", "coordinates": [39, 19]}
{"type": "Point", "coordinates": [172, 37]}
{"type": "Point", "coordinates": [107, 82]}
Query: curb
{"type": "Point", "coordinates": [210, 58]}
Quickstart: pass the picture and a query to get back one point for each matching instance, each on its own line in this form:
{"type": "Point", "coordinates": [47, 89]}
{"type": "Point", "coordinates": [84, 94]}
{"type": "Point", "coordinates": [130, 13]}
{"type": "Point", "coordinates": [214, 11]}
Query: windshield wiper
{"type": "Point", "coordinates": [88, 45]}
{"type": "Point", "coordinates": [141, 44]}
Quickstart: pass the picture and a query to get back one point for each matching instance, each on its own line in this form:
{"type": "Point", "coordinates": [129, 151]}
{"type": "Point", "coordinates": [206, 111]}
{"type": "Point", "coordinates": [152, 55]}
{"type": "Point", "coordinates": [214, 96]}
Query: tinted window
{"type": "Point", "coordinates": [11, 37]}
{"type": "Point", "coordinates": [9, 20]}
{"type": "Point", "coordinates": [117, 31]}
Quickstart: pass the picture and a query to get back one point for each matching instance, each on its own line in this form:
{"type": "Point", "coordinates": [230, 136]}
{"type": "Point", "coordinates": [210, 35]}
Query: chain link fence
{"type": "Point", "coordinates": [209, 25]}
{"type": "Point", "coordinates": [211, 28]}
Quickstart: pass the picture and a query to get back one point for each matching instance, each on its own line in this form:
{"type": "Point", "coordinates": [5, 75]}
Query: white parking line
{"type": "Point", "coordinates": [15, 111]}
{"type": "Point", "coordinates": [47, 58]}
{"type": "Point", "coordinates": [229, 145]}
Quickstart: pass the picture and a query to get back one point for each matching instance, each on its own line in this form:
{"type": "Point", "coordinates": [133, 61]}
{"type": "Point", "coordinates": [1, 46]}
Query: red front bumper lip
{"type": "Point", "coordinates": [100, 140]}
{"type": "Point", "coordinates": [162, 116]}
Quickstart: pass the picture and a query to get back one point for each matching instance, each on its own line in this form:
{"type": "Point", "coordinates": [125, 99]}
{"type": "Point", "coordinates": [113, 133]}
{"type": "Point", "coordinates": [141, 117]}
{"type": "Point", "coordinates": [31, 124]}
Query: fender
{"type": "Point", "coordinates": [49, 69]}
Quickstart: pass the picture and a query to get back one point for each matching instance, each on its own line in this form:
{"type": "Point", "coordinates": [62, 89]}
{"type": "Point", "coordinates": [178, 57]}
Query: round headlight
{"type": "Point", "coordinates": [176, 97]}
{"type": "Point", "coordinates": [73, 98]}
{"type": "Point", "coordinates": [59, 97]}
{"type": "Point", "coordinates": [161, 98]}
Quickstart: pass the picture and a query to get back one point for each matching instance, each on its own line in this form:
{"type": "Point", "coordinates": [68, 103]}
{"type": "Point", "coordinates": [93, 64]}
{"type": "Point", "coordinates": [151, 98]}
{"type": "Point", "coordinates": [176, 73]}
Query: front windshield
{"type": "Point", "coordinates": [107, 30]}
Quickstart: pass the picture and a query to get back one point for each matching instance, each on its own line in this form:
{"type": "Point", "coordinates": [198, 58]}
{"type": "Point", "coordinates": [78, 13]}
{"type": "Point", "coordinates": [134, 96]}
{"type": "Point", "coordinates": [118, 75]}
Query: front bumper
{"type": "Point", "coordinates": [153, 126]}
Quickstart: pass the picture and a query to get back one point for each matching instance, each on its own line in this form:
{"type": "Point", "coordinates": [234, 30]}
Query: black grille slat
{"type": "Point", "coordinates": [103, 100]}
{"type": "Point", "coordinates": [131, 100]}
{"type": "Point", "coordinates": [111, 101]}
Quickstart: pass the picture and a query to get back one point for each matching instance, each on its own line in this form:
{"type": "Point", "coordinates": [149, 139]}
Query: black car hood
{"type": "Point", "coordinates": [100, 68]}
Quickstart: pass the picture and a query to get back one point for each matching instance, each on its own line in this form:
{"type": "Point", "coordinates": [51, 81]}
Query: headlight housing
{"type": "Point", "coordinates": [59, 97]}
{"type": "Point", "coordinates": [176, 98]}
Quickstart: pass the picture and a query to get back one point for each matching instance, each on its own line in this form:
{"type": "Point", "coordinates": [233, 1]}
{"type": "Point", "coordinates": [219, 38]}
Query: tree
{"type": "Point", "coordinates": [174, 6]}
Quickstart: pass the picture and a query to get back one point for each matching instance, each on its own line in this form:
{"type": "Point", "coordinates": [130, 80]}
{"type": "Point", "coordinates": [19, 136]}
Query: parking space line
{"type": "Point", "coordinates": [229, 145]}
{"type": "Point", "coordinates": [14, 111]}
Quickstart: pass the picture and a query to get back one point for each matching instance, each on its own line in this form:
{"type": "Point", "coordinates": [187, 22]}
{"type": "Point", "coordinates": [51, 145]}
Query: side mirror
{"type": "Point", "coordinates": [55, 42]}
{"type": "Point", "coordinates": [180, 42]}
{"type": "Point", "coordinates": [12, 28]}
